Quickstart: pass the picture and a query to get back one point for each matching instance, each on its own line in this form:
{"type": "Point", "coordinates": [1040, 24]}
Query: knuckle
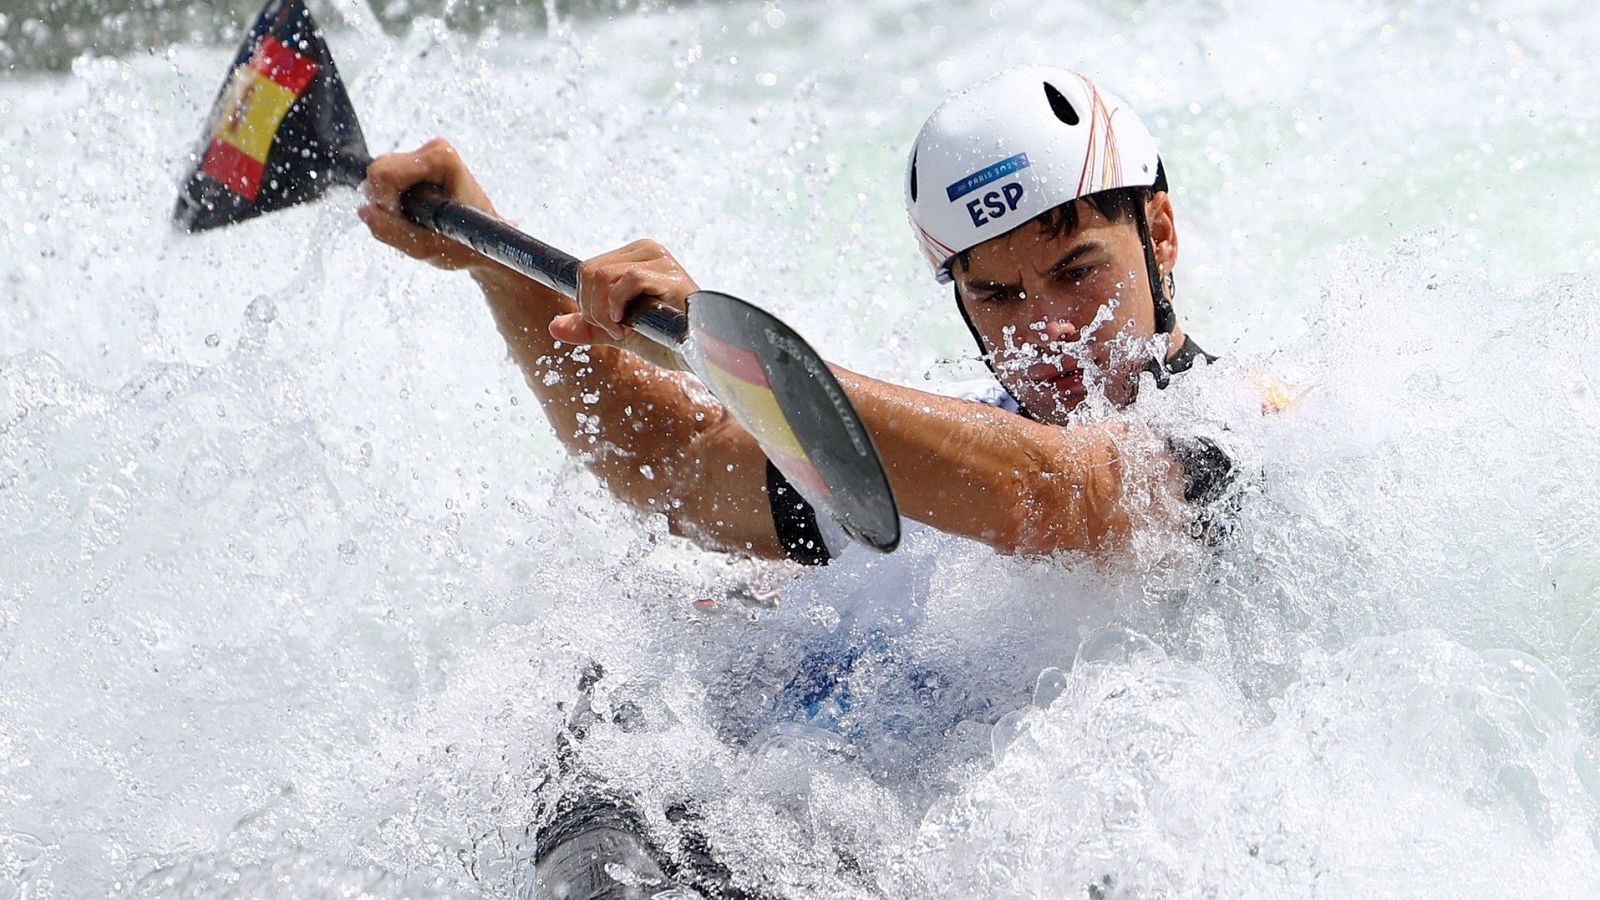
{"type": "Point", "coordinates": [629, 281]}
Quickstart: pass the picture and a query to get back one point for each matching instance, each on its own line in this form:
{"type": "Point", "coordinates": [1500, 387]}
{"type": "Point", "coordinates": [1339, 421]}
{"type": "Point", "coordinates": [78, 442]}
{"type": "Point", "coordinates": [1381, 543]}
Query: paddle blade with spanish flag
{"type": "Point", "coordinates": [282, 130]}
{"type": "Point", "coordinates": [782, 392]}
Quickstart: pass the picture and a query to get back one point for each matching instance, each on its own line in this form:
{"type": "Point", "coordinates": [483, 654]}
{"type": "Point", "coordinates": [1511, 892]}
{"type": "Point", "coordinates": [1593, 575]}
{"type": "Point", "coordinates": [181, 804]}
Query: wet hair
{"type": "Point", "coordinates": [1117, 206]}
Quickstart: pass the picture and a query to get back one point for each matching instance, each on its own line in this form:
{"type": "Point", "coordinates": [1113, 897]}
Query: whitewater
{"type": "Point", "coordinates": [296, 583]}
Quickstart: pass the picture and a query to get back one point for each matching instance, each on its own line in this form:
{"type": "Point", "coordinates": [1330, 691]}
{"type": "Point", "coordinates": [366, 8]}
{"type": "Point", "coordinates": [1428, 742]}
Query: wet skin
{"type": "Point", "coordinates": [1064, 317]}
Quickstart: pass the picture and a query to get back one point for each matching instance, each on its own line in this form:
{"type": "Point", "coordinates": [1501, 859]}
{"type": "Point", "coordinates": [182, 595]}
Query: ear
{"type": "Point", "coordinates": [1163, 230]}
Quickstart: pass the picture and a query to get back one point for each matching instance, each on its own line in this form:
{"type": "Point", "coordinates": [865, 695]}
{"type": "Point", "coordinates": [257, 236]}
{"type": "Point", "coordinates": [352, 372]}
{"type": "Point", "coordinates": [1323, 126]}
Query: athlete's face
{"type": "Point", "coordinates": [1069, 316]}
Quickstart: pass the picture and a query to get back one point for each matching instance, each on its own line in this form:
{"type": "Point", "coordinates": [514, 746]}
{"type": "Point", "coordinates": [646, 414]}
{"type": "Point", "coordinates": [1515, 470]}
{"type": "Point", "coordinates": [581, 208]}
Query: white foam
{"type": "Point", "coordinates": [297, 604]}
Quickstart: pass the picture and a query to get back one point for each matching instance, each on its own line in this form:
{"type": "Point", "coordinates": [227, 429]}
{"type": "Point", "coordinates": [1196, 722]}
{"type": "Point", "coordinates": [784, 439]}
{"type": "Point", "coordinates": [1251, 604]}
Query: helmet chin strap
{"type": "Point", "coordinates": [1166, 319]}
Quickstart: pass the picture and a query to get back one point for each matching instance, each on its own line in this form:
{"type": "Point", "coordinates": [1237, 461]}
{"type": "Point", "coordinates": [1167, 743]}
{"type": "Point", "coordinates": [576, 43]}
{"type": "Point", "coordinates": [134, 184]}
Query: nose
{"type": "Point", "coordinates": [1057, 329]}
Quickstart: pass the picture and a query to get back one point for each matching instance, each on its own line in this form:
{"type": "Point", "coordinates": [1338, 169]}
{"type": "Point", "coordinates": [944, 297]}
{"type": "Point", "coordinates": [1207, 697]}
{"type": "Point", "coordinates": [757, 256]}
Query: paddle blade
{"type": "Point", "coordinates": [781, 391]}
{"type": "Point", "coordinates": [282, 130]}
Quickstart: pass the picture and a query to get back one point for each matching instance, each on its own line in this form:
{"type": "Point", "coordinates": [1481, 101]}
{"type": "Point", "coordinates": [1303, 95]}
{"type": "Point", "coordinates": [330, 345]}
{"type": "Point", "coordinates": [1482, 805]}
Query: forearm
{"type": "Point", "coordinates": [649, 433]}
{"type": "Point", "coordinates": [1013, 483]}
{"type": "Point", "coordinates": [652, 437]}
{"type": "Point", "coordinates": [610, 407]}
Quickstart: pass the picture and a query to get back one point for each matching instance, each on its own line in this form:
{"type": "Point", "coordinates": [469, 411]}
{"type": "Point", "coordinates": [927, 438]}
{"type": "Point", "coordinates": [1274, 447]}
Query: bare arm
{"type": "Point", "coordinates": [648, 432]}
{"type": "Point", "coordinates": [1015, 484]}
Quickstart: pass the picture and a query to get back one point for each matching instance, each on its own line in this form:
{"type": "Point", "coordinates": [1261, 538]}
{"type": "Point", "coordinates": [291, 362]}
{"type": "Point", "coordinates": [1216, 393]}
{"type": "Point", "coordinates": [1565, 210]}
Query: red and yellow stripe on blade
{"type": "Point", "coordinates": [738, 378]}
{"type": "Point", "coordinates": [257, 98]}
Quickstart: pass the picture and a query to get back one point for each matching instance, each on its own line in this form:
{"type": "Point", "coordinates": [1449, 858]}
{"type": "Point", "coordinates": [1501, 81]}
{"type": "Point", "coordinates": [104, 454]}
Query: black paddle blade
{"type": "Point", "coordinates": [781, 391]}
{"type": "Point", "coordinates": [282, 130]}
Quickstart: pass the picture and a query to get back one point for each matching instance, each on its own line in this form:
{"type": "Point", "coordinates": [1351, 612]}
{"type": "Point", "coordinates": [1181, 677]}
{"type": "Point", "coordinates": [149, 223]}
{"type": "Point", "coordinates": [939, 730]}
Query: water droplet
{"type": "Point", "coordinates": [262, 309]}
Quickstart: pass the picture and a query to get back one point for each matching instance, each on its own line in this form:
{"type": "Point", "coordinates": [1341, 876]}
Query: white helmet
{"type": "Point", "coordinates": [1019, 144]}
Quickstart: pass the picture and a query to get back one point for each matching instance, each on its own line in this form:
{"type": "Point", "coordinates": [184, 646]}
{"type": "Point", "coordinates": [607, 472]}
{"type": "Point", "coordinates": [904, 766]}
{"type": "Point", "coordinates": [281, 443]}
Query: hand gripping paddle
{"type": "Point", "coordinates": [283, 132]}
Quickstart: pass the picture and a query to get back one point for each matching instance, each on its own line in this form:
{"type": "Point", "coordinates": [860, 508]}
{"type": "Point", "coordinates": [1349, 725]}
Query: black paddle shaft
{"type": "Point", "coordinates": [430, 206]}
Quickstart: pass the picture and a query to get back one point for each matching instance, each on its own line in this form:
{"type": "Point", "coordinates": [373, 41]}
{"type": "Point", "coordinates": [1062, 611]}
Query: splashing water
{"type": "Point", "coordinates": [295, 584]}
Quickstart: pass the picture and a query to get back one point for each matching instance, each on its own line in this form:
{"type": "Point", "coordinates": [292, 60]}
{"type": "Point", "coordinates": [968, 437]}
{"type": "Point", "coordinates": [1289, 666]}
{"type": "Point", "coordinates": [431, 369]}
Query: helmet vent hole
{"type": "Point", "coordinates": [1060, 105]}
{"type": "Point", "coordinates": [913, 177]}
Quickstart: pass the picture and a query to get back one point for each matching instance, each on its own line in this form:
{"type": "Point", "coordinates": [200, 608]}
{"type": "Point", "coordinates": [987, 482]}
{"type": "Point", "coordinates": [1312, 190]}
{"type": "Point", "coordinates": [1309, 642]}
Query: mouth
{"type": "Point", "coordinates": [1059, 380]}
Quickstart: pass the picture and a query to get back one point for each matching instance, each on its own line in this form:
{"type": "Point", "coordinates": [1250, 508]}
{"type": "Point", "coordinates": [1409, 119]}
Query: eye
{"type": "Point", "coordinates": [995, 298]}
{"type": "Point", "coordinates": [1075, 274]}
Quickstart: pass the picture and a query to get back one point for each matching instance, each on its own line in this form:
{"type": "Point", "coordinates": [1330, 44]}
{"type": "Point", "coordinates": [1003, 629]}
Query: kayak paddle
{"type": "Point", "coordinates": [283, 131]}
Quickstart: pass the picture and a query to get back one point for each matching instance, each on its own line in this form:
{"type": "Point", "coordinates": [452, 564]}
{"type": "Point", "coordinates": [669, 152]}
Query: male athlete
{"type": "Point", "coordinates": [1041, 197]}
{"type": "Point", "coordinates": [1043, 200]}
